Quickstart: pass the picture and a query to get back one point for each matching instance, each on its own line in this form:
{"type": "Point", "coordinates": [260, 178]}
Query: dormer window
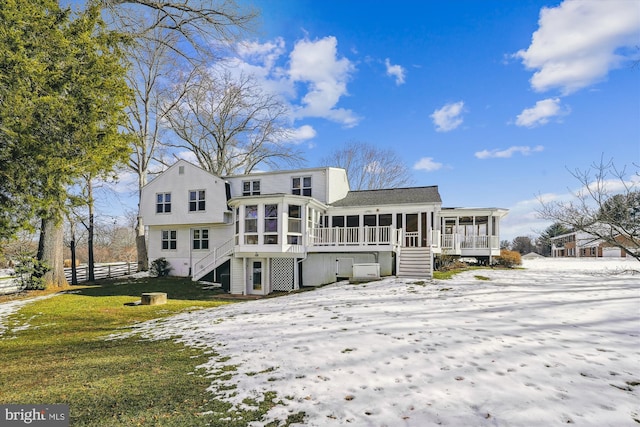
{"type": "Point", "coordinates": [301, 186]}
{"type": "Point", "coordinates": [250, 188]}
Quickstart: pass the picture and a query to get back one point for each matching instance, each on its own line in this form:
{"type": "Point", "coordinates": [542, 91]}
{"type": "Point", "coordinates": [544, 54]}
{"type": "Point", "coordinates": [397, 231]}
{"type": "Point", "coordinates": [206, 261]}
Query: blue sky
{"type": "Point", "coordinates": [490, 100]}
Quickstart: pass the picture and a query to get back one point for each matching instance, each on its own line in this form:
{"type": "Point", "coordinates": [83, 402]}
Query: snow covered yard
{"type": "Point", "coordinates": [557, 343]}
{"type": "Point", "coordinates": [11, 307]}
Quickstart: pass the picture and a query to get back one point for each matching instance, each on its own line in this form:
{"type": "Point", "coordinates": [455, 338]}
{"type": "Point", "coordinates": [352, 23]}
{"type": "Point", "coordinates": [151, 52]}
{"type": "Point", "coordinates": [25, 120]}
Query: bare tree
{"type": "Point", "coordinates": [165, 37]}
{"type": "Point", "coordinates": [369, 167]}
{"type": "Point", "coordinates": [152, 64]}
{"type": "Point", "coordinates": [231, 124]}
{"type": "Point", "coordinates": [607, 206]}
{"type": "Point", "coordinates": [199, 24]}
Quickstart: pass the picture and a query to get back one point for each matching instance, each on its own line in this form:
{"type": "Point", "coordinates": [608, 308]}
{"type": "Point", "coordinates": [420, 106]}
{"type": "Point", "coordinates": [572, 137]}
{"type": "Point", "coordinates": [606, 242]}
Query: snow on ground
{"type": "Point", "coordinates": [8, 308]}
{"type": "Point", "coordinates": [557, 343]}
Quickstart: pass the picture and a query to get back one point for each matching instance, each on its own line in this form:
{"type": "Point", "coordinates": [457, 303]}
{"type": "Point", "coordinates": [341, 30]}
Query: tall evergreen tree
{"type": "Point", "coordinates": [62, 99]}
{"type": "Point", "coordinates": [544, 241]}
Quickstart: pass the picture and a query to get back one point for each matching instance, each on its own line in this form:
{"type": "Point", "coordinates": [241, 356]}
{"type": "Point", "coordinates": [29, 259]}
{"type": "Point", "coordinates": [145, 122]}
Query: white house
{"type": "Point", "coordinates": [277, 231]}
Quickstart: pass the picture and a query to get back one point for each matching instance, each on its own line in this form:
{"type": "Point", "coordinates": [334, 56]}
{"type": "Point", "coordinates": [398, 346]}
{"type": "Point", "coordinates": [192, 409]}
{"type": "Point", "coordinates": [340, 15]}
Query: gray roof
{"type": "Point", "coordinates": [391, 196]}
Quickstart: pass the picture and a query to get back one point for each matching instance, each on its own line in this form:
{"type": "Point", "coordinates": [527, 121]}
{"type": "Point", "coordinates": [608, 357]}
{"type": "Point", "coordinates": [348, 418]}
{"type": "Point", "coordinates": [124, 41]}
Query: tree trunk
{"type": "Point", "coordinates": [90, 229]}
{"type": "Point", "coordinates": [91, 261]}
{"type": "Point", "coordinates": [141, 246]}
{"type": "Point", "coordinates": [74, 271]}
{"type": "Point", "coordinates": [51, 252]}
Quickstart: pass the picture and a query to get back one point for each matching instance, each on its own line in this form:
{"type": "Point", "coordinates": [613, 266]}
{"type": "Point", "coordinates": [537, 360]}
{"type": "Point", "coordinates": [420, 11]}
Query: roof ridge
{"type": "Point", "coordinates": [394, 188]}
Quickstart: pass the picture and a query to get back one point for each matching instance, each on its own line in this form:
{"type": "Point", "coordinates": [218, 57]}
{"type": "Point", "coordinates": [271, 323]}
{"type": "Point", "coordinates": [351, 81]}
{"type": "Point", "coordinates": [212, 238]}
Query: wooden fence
{"type": "Point", "coordinates": [9, 286]}
{"type": "Point", "coordinates": [101, 271]}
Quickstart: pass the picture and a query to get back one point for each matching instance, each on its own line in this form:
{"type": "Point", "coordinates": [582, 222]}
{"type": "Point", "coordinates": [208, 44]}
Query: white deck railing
{"type": "Point", "coordinates": [411, 239]}
{"type": "Point", "coordinates": [346, 236]}
{"type": "Point", "coordinates": [204, 265]}
{"type": "Point", "coordinates": [458, 241]}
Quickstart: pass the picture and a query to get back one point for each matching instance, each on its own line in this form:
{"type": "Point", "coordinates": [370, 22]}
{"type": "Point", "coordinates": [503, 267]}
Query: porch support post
{"type": "Point", "coordinates": [245, 275]}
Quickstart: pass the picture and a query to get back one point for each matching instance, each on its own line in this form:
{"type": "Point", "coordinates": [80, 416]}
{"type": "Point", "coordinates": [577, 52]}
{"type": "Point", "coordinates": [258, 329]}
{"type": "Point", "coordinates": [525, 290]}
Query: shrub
{"type": "Point", "coordinates": [447, 262]}
{"type": "Point", "coordinates": [509, 259]}
{"type": "Point", "coordinates": [31, 272]}
{"type": "Point", "coordinates": [160, 267]}
{"type": "Point", "coordinates": [67, 263]}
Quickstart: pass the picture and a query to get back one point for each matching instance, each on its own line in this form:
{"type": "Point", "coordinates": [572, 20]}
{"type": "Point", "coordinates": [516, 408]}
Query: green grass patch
{"type": "Point", "coordinates": [63, 357]}
{"type": "Point", "coordinates": [479, 277]}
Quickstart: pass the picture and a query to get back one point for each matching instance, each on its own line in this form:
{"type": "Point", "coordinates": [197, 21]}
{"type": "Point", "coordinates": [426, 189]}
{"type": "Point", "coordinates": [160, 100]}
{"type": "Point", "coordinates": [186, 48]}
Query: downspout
{"type": "Point", "coordinates": [190, 253]}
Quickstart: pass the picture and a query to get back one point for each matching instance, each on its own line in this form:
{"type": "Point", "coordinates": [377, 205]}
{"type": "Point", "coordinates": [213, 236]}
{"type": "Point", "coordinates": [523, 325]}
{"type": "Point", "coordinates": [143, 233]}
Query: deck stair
{"type": "Point", "coordinates": [415, 263]}
{"type": "Point", "coordinates": [215, 259]}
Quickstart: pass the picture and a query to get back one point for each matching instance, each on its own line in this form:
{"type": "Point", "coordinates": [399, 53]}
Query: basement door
{"type": "Point", "coordinates": [255, 276]}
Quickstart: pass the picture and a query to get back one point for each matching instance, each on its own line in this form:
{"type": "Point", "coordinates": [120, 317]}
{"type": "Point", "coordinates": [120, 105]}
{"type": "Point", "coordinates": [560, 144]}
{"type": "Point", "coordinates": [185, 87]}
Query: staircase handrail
{"type": "Point", "coordinates": [212, 258]}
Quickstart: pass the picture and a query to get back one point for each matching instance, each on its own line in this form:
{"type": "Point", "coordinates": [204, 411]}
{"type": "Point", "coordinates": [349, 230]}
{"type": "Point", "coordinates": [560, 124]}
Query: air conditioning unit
{"type": "Point", "coordinates": [366, 272]}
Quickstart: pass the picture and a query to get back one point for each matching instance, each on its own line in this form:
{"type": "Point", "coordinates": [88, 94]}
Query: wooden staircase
{"type": "Point", "coordinates": [415, 263]}
{"type": "Point", "coordinates": [215, 259]}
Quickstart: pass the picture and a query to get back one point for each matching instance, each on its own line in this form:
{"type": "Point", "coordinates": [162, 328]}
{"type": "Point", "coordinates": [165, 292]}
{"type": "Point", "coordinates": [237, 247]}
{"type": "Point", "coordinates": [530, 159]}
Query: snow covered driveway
{"type": "Point", "coordinates": [558, 343]}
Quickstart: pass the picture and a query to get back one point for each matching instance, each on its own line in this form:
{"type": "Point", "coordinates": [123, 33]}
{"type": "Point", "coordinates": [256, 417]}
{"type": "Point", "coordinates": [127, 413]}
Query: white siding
{"type": "Point", "coordinates": [281, 183]}
{"type": "Point", "coordinates": [320, 269]}
{"type": "Point", "coordinates": [178, 258]}
{"type": "Point", "coordinates": [179, 185]}
{"type": "Point", "coordinates": [238, 281]}
{"type": "Point", "coordinates": [338, 185]}
{"type": "Point", "coordinates": [182, 258]}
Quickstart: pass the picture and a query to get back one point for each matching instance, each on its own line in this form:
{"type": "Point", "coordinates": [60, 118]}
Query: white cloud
{"type": "Point", "coordinates": [316, 63]}
{"type": "Point", "coordinates": [427, 164]}
{"type": "Point", "coordinates": [396, 71]}
{"type": "Point", "coordinates": [187, 155]}
{"type": "Point", "coordinates": [126, 182]}
{"type": "Point", "coordinates": [301, 134]}
{"type": "Point", "coordinates": [509, 152]}
{"type": "Point", "coordinates": [578, 43]}
{"type": "Point", "coordinates": [541, 113]}
{"type": "Point", "coordinates": [260, 60]}
{"type": "Point", "coordinates": [312, 81]}
{"type": "Point", "coordinates": [523, 220]}
{"type": "Point", "coordinates": [265, 54]}
{"type": "Point", "coordinates": [448, 117]}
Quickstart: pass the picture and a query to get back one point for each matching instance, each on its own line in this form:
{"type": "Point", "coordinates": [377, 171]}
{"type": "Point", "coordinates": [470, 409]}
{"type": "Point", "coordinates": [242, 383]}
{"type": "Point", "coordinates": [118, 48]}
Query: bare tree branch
{"type": "Point", "coordinates": [370, 168]}
{"type": "Point", "coordinates": [607, 207]}
{"type": "Point", "coordinates": [199, 24]}
{"type": "Point", "coordinates": [230, 124]}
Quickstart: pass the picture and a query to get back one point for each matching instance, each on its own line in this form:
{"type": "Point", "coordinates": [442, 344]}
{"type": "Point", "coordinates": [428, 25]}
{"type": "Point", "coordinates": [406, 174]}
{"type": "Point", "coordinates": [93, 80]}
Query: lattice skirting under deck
{"type": "Point", "coordinates": [282, 274]}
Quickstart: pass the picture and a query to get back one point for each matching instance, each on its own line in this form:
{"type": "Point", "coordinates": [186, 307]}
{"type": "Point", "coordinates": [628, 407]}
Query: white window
{"type": "Point", "coordinates": [251, 225]}
{"type": "Point", "coordinates": [271, 224]}
{"type": "Point", "coordinates": [169, 239]}
{"type": "Point", "coordinates": [250, 188]}
{"type": "Point", "coordinates": [163, 203]}
{"type": "Point", "coordinates": [196, 200]}
{"type": "Point", "coordinates": [201, 238]}
{"type": "Point", "coordinates": [294, 227]}
{"type": "Point", "coordinates": [301, 186]}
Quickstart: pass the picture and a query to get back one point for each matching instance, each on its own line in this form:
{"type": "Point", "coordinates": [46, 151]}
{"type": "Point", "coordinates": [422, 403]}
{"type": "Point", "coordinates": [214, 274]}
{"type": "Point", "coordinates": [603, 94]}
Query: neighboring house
{"type": "Point", "coordinates": [578, 244]}
{"type": "Point", "coordinates": [277, 231]}
{"type": "Point", "coordinates": [532, 255]}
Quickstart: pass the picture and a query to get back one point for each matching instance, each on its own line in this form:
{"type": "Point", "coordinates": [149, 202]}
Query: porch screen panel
{"type": "Point", "coordinates": [385, 220]}
{"type": "Point", "coordinates": [282, 274]}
